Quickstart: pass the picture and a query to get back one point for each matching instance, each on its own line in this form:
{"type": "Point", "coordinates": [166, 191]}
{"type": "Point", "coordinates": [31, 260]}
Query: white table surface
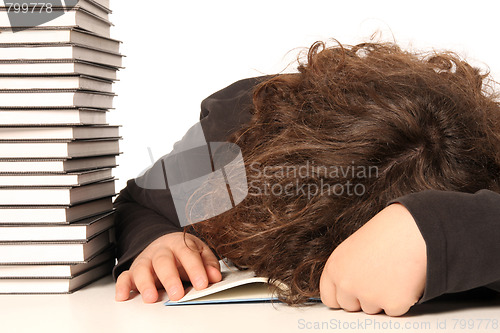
{"type": "Point", "coordinates": [93, 309]}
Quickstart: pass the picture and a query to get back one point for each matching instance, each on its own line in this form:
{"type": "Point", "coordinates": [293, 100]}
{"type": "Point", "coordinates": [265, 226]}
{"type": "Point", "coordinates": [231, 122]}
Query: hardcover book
{"type": "Point", "coordinates": [57, 196]}
{"type": "Point", "coordinates": [67, 179]}
{"type": "Point", "coordinates": [61, 271]}
{"type": "Point", "coordinates": [76, 17]}
{"type": "Point", "coordinates": [55, 285]}
{"type": "Point", "coordinates": [59, 51]}
{"type": "Point", "coordinates": [58, 133]}
{"type": "Point", "coordinates": [47, 98]}
{"type": "Point", "coordinates": [56, 67]}
{"type": "Point", "coordinates": [78, 231]}
{"type": "Point", "coordinates": [53, 252]}
{"type": "Point", "coordinates": [50, 215]}
{"type": "Point", "coordinates": [61, 166]}
{"type": "Point", "coordinates": [94, 7]}
{"type": "Point", "coordinates": [64, 149]}
{"type": "Point", "coordinates": [62, 35]}
{"type": "Point", "coordinates": [81, 82]}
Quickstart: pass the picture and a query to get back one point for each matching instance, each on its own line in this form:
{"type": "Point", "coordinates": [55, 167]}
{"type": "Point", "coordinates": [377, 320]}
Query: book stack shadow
{"type": "Point", "coordinates": [57, 151]}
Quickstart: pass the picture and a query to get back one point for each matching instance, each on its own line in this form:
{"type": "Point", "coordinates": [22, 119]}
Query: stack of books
{"type": "Point", "coordinates": [57, 150]}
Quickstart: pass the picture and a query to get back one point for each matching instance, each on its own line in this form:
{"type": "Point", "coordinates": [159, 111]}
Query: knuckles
{"type": "Point", "coordinates": [160, 258]}
{"type": "Point", "coordinates": [140, 261]}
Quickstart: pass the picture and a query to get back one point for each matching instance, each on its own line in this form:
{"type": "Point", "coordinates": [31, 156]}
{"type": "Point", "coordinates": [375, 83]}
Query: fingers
{"type": "Point", "coordinates": [168, 274]}
{"type": "Point", "coordinates": [210, 263]}
{"type": "Point", "coordinates": [212, 266]}
{"type": "Point", "coordinates": [347, 300]}
{"type": "Point", "coordinates": [192, 263]}
{"type": "Point", "coordinates": [214, 274]}
{"type": "Point", "coordinates": [336, 298]}
{"type": "Point", "coordinates": [165, 261]}
{"type": "Point", "coordinates": [396, 311]}
{"type": "Point", "coordinates": [369, 307]}
{"type": "Point", "coordinates": [394, 306]}
{"type": "Point", "coordinates": [328, 291]}
{"type": "Point", "coordinates": [208, 256]}
{"type": "Point", "coordinates": [144, 280]}
{"type": "Point", "coordinates": [339, 299]}
{"type": "Point", "coordinates": [124, 285]}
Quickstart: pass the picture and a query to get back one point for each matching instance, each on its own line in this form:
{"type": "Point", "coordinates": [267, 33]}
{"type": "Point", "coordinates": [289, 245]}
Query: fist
{"type": "Point", "coordinates": [380, 267]}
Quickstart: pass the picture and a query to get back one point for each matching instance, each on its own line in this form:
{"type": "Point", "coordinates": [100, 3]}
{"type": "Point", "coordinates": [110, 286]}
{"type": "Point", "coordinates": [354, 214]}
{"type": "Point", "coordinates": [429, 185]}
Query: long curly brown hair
{"type": "Point", "coordinates": [330, 146]}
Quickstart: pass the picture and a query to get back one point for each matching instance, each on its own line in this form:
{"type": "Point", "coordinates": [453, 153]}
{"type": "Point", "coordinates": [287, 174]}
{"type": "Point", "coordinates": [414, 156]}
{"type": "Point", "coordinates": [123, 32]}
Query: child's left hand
{"type": "Point", "coordinates": [382, 266]}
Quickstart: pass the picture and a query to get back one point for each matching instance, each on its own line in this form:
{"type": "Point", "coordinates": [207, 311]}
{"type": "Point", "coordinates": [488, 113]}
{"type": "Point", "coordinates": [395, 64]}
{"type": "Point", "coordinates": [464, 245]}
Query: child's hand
{"type": "Point", "coordinates": [382, 266]}
{"type": "Point", "coordinates": [165, 262]}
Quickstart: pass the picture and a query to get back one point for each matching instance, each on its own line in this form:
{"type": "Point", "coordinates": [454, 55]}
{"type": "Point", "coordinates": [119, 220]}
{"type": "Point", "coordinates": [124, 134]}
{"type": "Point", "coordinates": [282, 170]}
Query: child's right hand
{"type": "Point", "coordinates": [381, 266]}
{"type": "Point", "coordinates": [165, 262]}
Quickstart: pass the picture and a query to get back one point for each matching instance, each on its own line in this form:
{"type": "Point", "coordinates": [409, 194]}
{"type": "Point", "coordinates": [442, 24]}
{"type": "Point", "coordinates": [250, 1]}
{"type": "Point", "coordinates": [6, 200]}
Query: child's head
{"type": "Point", "coordinates": [328, 147]}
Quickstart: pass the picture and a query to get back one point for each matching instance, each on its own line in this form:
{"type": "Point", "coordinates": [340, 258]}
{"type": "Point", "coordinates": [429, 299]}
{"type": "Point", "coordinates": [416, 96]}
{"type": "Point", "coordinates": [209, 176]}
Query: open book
{"type": "Point", "coordinates": [235, 287]}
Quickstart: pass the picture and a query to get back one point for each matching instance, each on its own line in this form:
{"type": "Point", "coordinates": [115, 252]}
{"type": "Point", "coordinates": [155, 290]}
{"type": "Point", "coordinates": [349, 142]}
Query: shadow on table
{"type": "Point", "coordinates": [475, 298]}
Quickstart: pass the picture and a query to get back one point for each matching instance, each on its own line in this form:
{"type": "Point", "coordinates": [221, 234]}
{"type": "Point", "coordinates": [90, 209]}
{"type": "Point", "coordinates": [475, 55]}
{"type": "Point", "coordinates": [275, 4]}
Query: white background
{"type": "Point", "coordinates": [180, 52]}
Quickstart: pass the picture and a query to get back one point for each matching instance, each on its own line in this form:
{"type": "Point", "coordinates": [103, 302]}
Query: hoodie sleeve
{"type": "Point", "coordinates": [462, 235]}
{"type": "Point", "coordinates": [144, 214]}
